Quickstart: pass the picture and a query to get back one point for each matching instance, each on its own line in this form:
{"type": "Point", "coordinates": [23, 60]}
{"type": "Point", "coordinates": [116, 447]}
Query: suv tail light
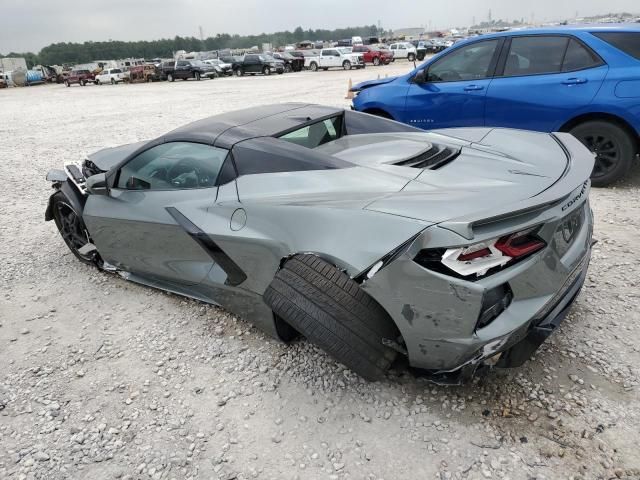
{"type": "Point", "coordinates": [484, 258]}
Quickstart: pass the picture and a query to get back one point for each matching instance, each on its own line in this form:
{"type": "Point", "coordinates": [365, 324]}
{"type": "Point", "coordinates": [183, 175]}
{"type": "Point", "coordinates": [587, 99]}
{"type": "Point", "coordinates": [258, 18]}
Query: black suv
{"type": "Point", "coordinates": [253, 63]}
{"type": "Point", "coordinates": [291, 63]}
{"type": "Point", "coordinates": [185, 69]}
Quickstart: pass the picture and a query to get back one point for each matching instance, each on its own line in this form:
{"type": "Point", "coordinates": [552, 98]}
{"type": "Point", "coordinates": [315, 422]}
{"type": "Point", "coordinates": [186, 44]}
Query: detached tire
{"type": "Point", "coordinates": [614, 149]}
{"type": "Point", "coordinates": [332, 311]}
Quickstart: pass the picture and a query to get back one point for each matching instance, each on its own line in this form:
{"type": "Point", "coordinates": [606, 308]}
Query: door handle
{"type": "Point", "coordinates": [473, 88]}
{"type": "Point", "coordinates": [574, 81]}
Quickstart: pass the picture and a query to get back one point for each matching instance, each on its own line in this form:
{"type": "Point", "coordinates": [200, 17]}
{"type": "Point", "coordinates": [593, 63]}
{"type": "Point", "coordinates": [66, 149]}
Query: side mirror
{"type": "Point", "coordinates": [421, 76]}
{"type": "Point", "coordinates": [97, 184]}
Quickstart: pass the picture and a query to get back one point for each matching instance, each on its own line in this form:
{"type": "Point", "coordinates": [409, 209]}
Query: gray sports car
{"type": "Point", "coordinates": [456, 249]}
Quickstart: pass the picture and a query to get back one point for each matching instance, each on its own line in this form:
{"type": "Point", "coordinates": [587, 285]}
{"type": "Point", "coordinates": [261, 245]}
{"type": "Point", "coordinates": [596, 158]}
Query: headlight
{"type": "Point", "coordinates": [484, 258]}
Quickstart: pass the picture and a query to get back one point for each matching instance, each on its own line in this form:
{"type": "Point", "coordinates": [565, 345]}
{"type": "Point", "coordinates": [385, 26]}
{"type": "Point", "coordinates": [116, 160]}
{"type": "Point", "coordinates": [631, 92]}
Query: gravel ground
{"type": "Point", "coordinates": [104, 379]}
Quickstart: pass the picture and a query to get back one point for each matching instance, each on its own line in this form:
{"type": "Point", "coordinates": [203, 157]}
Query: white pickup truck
{"type": "Point", "coordinates": [110, 75]}
{"type": "Point", "coordinates": [339, 57]}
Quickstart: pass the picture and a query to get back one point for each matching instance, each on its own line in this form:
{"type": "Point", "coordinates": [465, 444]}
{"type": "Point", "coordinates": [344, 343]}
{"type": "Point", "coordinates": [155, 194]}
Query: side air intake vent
{"type": "Point", "coordinates": [434, 158]}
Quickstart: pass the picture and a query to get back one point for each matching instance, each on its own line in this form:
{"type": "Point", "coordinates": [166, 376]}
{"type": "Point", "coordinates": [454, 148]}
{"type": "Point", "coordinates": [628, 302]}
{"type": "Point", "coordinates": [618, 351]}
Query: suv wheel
{"type": "Point", "coordinates": [613, 146]}
{"type": "Point", "coordinates": [113, 81]}
{"type": "Point", "coordinates": [376, 61]}
{"type": "Point", "coordinates": [332, 311]}
{"type": "Point", "coordinates": [313, 66]}
{"type": "Point", "coordinates": [170, 77]}
{"type": "Point", "coordinates": [266, 71]}
{"type": "Point", "coordinates": [287, 68]}
{"type": "Point", "coordinates": [239, 72]}
{"type": "Point", "coordinates": [411, 57]}
{"type": "Point", "coordinates": [346, 65]}
{"type": "Point", "coordinates": [196, 75]}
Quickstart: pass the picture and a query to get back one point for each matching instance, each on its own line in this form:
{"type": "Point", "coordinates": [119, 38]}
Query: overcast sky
{"type": "Point", "coordinates": [29, 25]}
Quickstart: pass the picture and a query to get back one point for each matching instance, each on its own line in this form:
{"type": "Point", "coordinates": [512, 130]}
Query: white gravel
{"type": "Point", "coordinates": [104, 379]}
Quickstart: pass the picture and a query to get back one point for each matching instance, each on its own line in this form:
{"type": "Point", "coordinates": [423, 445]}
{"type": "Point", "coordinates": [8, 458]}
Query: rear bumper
{"type": "Point", "coordinates": [437, 314]}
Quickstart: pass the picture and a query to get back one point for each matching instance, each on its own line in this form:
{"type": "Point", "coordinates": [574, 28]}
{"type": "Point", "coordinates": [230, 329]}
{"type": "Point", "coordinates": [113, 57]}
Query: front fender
{"type": "Point", "coordinates": [76, 199]}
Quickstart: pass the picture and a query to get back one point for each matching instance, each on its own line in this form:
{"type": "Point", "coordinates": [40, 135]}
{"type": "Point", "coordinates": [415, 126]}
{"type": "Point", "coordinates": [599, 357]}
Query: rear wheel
{"type": "Point", "coordinates": [346, 65]}
{"type": "Point", "coordinates": [196, 75]}
{"type": "Point", "coordinates": [113, 81]}
{"type": "Point", "coordinates": [376, 61]}
{"type": "Point", "coordinates": [266, 71]}
{"type": "Point", "coordinates": [313, 66]}
{"type": "Point", "coordinates": [71, 227]}
{"type": "Point", "coordinates": [66, 82]}
{"type": "Point", "coordinates": [239, 72]}
{"type": "Point", "coordinates": [287, 68]}
{"type": "Point", "coordinates": [613, 146]}
{"type": "Point", "coordinates": [411, 57]}
{"type": "Point", "coordinates": [332, 311]}
{"type": "Point", "coordinates": [170, 77]}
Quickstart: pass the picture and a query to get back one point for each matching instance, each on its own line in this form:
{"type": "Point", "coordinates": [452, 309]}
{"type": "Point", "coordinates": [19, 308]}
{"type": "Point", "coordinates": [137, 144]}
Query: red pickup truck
{"type": "Point", "coordinates": [375, 55]}
{"type": "Point", "coordinates": [81, 77]}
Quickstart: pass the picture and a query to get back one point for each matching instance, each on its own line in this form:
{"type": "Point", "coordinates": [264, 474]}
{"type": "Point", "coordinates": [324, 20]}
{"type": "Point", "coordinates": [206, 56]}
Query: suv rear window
{"type": "Point", "coordinates": [628, 42]}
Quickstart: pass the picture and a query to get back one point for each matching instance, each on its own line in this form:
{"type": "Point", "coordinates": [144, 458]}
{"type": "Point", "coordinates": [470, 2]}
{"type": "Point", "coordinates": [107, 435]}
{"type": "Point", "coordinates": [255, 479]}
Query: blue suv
{"type": "Point", "coordinates": [579, 79]}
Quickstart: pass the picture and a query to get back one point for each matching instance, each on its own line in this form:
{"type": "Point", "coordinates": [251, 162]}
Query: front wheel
{"type": "Point", "coordinates": [196, 75]}
{"type": "Point", "coordinates": [329, 308]}
{"type": "Point", "coordinates": [266, 71]}
{"type": "Point", "coordinates": [346, 65]}
{"type": "Point", "coordinates": [287, 68]}
{"type": "Point", "coordinates": [313, 66]}
{"type": "Point", "coordinates": [411, 57]}
{"type": "Point", "coordinates": [239, 72]}
{"type": "Point", "coordinates": [376, 61]}
{"type": "Point", "coordinates": [66, 83]}
{"type": "Point", "coordinates": [170, 78]}
{"type": "Point", "coordinates": [113, 81]}
{"type": "Point", "coordinates": [72, 228]}
{"type": "Point", "coordinates": [98, 82]}
{"type": "Point", "coordinates": [613, 147]}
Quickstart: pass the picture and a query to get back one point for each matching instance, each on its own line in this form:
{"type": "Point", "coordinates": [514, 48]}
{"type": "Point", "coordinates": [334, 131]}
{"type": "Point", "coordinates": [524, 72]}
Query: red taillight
{"type": "Point", "coordinates": [465, 257]}
{"type": "Point", "coordinates": [519, 245]}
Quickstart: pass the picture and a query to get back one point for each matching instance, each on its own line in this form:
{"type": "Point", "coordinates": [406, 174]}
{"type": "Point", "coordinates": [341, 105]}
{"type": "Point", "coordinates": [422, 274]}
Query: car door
{"type": "Point", "coordinates": [543, 81]}
{"type": "Point", "coordinates": [145, 225]}
{"type": "Point", "coordinates": [454, 88]}
{"type": "Point", "coordinates": [183, 69]}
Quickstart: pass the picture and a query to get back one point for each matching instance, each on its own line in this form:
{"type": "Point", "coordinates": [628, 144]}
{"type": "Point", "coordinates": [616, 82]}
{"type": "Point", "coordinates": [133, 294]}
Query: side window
{"type": "Point", "coordinates": [532, 55]}
{"type": "Point", "coordinates": [394, 47]}
{"type": "Point", "coordinates": [467, 63]}
{"type": "Point", "coordinates": [628, 42]}
{"type": "Point", "coordinates": [314, 135]}
{"type": "Point", "coordinates": [183, 63]}
{"type": "Point", "coordinates": [173, 166]}
{"type": "Point", "coordinates": [578, 57]}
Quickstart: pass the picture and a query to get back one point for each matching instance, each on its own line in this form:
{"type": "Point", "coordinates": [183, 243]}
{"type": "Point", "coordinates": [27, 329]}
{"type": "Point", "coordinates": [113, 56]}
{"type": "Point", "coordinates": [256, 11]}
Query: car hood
{"type": "Point", "coordinates": [108, 157]}
{"type": "Point", "coordinates": [371, 83]}
{"type": "Point", "coordinates": [496, 167]}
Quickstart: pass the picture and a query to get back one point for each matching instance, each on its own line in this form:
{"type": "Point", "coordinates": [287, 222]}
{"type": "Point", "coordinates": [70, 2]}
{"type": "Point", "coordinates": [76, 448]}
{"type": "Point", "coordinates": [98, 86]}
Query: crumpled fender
{"type": "Point", "coordinates": [76, 199]}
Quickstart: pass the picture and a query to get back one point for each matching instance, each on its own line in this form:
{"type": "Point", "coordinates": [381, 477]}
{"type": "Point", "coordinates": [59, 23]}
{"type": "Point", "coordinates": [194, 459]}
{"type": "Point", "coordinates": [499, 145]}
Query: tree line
{"type": "Point", "coordinates": [73, 53]}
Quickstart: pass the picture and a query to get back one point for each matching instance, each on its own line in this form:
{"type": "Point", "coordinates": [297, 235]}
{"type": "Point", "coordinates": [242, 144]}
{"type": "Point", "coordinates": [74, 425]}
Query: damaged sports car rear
{"type": "Point", "coordinates": [371, 238]}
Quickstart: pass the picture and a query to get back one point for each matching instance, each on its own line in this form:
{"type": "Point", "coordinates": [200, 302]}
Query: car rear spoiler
{"type": "Point", "coordinates": [571, 187]}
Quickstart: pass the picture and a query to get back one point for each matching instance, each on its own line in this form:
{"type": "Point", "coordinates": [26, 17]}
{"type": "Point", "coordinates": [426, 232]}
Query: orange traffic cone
{"type": "Point", "coordinates": [349, 92]}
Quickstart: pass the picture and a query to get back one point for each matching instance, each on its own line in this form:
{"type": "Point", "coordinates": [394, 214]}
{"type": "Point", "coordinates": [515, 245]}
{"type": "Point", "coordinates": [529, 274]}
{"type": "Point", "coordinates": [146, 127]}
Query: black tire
{"type": "Point", "coordinates": [98, 82]}
{"type": "Point", "coordinates": [376, 61]}
{"type": "Point", "coordinates": [313, 66]}
{"type": "Point", "coordinates": [421, 57]}
{"type": "Point", "coordinates": [266, 71]}
{"type": "Point", "coordinates": [614, 148]}
{"type": "Point", "coordinates": [170, 77]}
{"type": "Point", "coordinates": [332, 311]}
{"type": "Point", "coordinates": [411, 57]}
{"type": "Point", "coordinates": [113, 81]}
{"type": "Point", "coordinates": [66, 83]}
{"type": "Point", "coordinates": [287, 68]}
{"type": "Point", "coordinates": [71, 227]}
{"type": "Point", "coordinates": [346, 65]}
{"type": "Point", "coordinates": [196, 75]}
{"type": "Point", "coordinates": [239, 72]}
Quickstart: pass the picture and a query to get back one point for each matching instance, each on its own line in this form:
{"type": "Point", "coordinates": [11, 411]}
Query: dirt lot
{"type": "Point", "coordinates": [104, 379]}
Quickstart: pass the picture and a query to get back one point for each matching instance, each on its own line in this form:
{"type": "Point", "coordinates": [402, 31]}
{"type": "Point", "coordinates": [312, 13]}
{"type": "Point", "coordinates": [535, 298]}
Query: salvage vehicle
{"type": "Point", "coordinates": [80, 77]}
{"type": "Point", "coordinates": [375, 55]}
{"type": "Point", "coordinates": [339, 57]}
{"type": "Point", "coordinates": [291, 63]}
{"type": "Point", "coordinates": [371, 238]}
{"type": "Point", "coordinates": [253, 63]}
{"type": "Point", "coordinates": [403, 50]}
{"type": "Point", "coordinates": [110, 75]}
{"type": "Point", "coordinates": [580, 79]}
{"type": "Point", "coordinates": [224, 68]}
{"type": "Point", "coordinates": [186, 69]}
{"type": "Point", "coordinates": [144, 74]}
